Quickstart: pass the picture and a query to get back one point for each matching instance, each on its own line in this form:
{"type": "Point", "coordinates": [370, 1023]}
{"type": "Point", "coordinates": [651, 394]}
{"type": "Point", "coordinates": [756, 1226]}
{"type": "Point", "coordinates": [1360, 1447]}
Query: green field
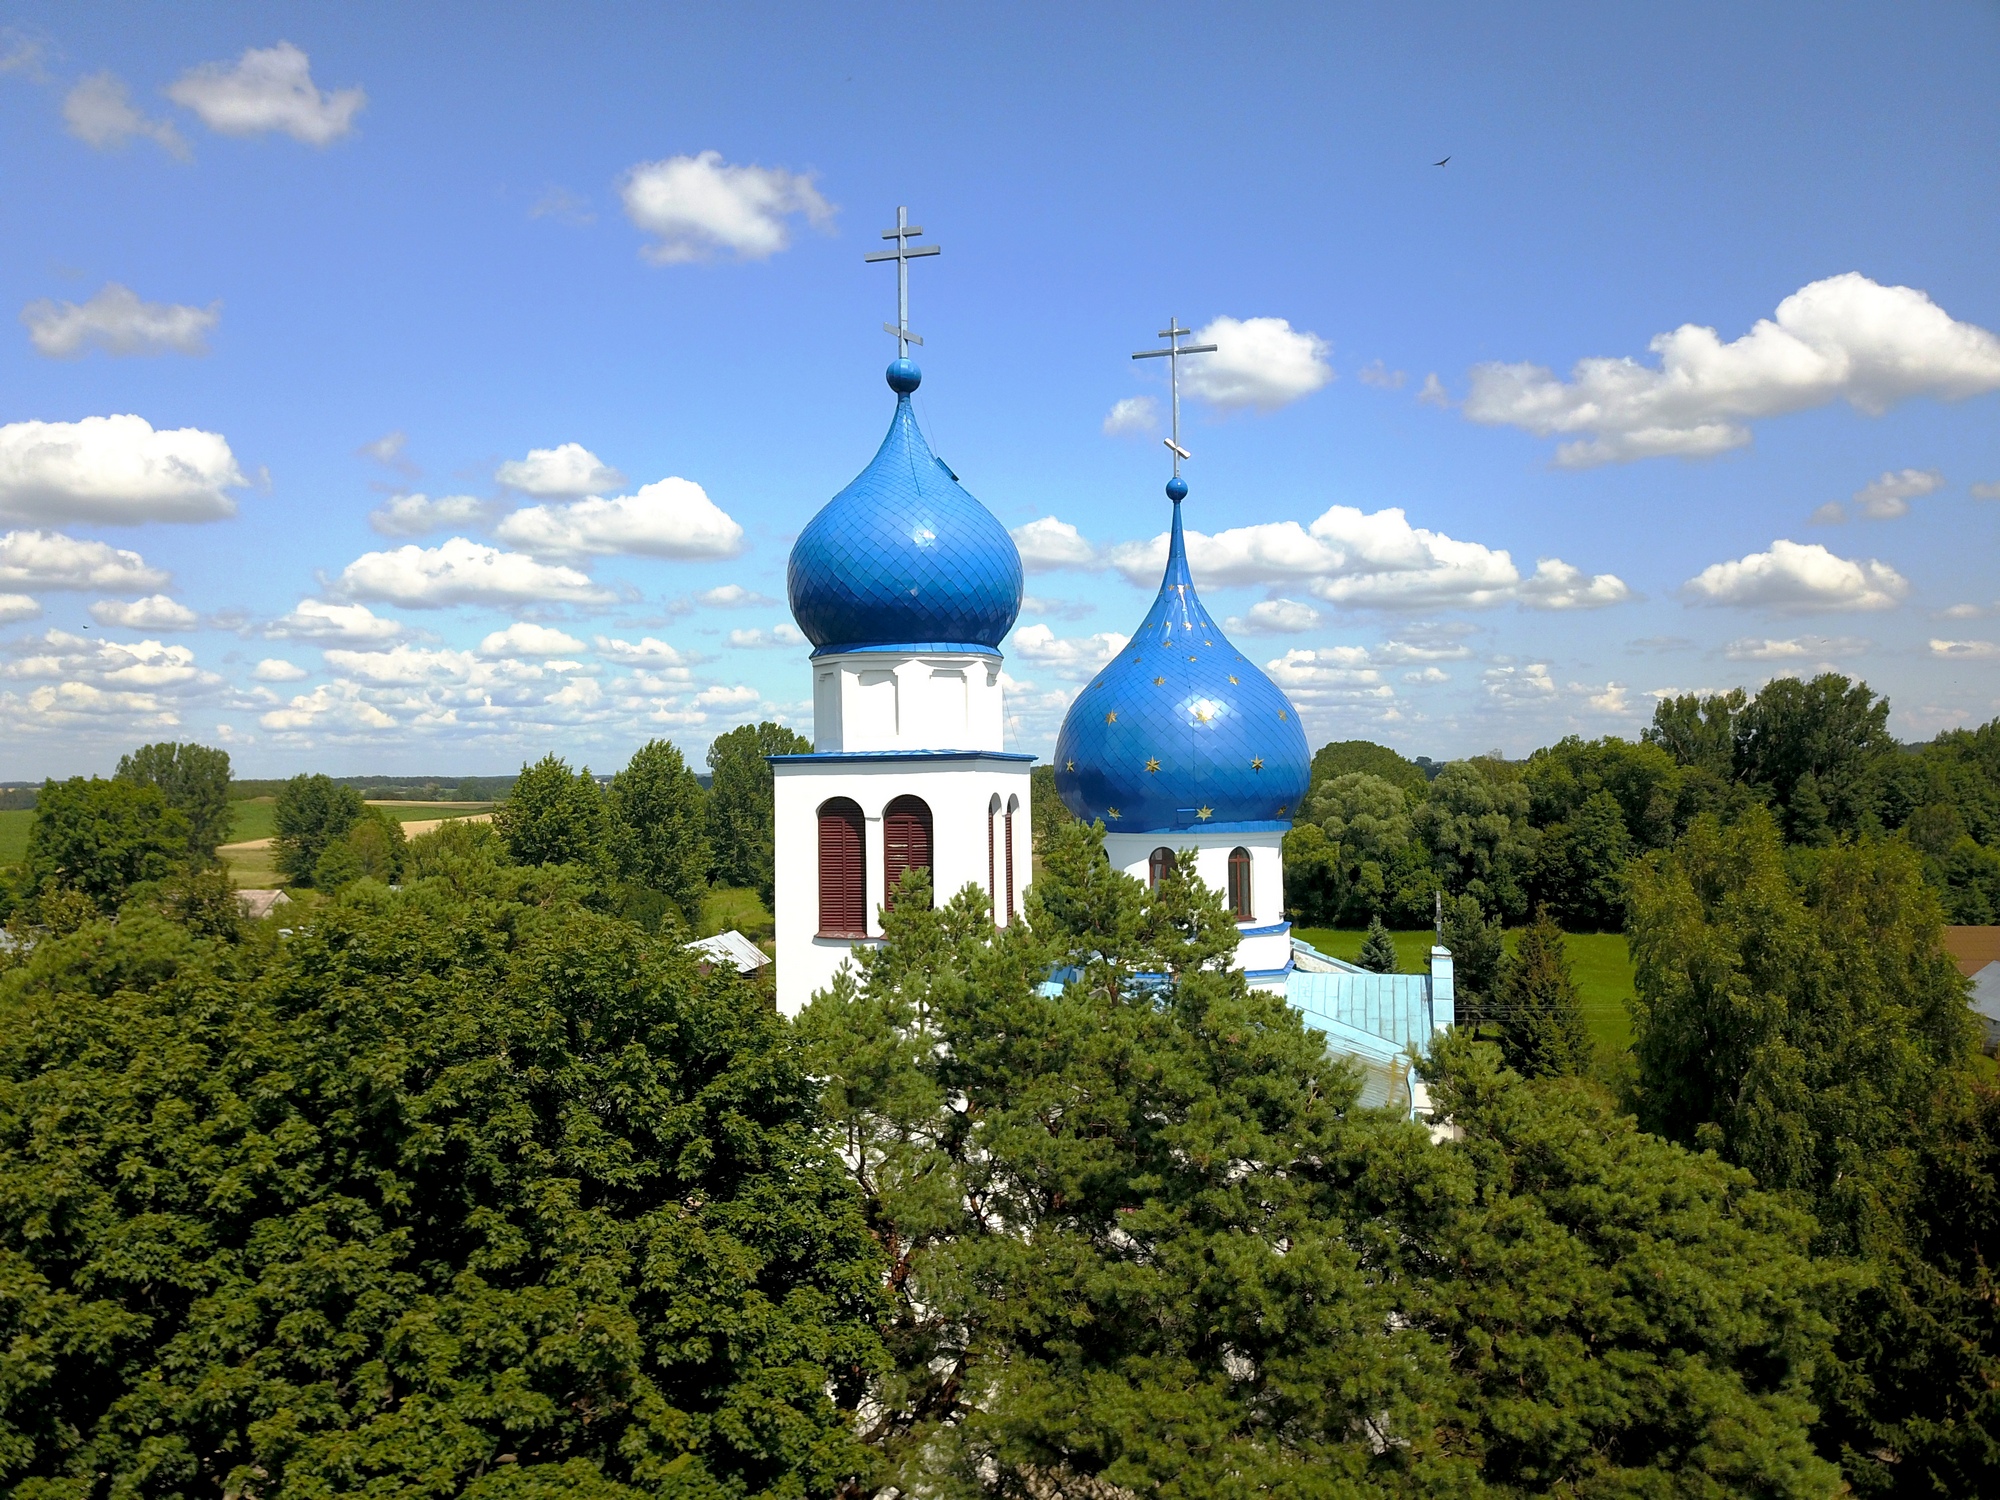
{"type": "Point", "coordinates": [728, 906]}
{"type": "Point", "coordinates": [14, 835]}
{"type": "Point", "coordinates": [1602, 967]}
{"type": "Point", "coordinates": [251, 818]}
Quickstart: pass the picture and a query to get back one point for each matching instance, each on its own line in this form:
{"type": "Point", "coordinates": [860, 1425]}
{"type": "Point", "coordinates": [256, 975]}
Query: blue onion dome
{"type": "Point", "coordinates": [904, 559]}
{"type": "Point", "coordinates": [1180, 731]}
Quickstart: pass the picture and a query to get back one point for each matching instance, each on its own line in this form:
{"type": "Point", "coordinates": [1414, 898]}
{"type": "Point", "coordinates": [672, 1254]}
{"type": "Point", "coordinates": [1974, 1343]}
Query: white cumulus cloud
{"type": "Point", "coordinates": [117, 321]}
{"type": "Point", "coordinates": [1330, 677]}
{"type": "Point", "coordinates": [761, 640]}
{"type": "Point", "coordinates": [459, 571]}
{"type": "Point", "coordinates": [114, 469]}
{"type": "Point", "coordinates": [1557, 585]}
{"type": "Point", "coordinates": [420, 515]}
{"type": "Point", "coordinates": [1276, 617]}
{"type": "Point", "coordinates": [1799, 578]}
{"type": "Point", "coordinates": [17, 607]}
{"type": "Point", "coordinates": [1520, 687]}
{"type": "Point", "coordinates": [1046, 544]}
{"type": "Point", "coordinates": [1134, 416]}
{"type": "Point", "coordinates": [524, 638]}
{"type": "Point", "coordinates": [1985, 491]}
{"type": "Point", "coordinates": [1071, 656]}
{"type": "Point", "coordinates": [99, 112]}
{"type": "Point", "coordinates": [268, 89]}
{"type": "Point", "coordinates": [733, 596]}
{"type": "Point", "coordinates": [701, 206]}
{"type": "Point", "coordinates": [155, 612]}
{"type": "Point", "coordinates": [1966, 650]}
{"type": "Point", "coordinates": [50, 560]}
{"type": "Point", "coordinates": [738, 696]}
{"type": "Point", "coordinates": [1795, 648]}
{"type": "Point", "coordinates": [668, 518]}
{"type": "Point", "coordinates": [1889, 496]}
{"type": "Point", "coordinates": [648, 651]}
{"type": "Point", "coordinates": [1844, 338]}
{"type": "Point", "coordinates": [566, 470]}
{"type": "Point", "coordinates": [277, 669]}
{"type": "Point", "coordinates": [1260, 362]}
{"type": "Point", "coordinates": [318, 620]}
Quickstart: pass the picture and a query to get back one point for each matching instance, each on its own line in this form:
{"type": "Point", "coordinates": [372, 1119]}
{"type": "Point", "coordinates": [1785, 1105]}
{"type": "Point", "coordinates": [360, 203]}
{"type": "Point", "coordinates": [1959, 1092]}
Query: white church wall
{"type": "Point", "coordinates": [959, 788]}
{"type": "Point", "coordinates": [882, 700]}
{"type": "Point", "coordinates": [1266, 942]}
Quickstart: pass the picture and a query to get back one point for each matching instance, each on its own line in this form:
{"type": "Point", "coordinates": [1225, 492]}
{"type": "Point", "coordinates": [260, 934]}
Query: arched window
{"type": "Point", "coordinates": [1160, 865]}
{"type": "Point", "coordinates": [992, 879]}
{"type": "Point", "coordinates": [906, 841]}
{"type": "Point", "coordinates": [1239, 884]}
{"type": "Point", "coordinates": [843, 882]}
{"type": "Point", "coordinates": [1013, 804]}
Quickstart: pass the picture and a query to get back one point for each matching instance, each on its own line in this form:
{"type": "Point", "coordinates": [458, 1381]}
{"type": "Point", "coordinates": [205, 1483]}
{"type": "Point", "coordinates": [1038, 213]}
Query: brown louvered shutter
{"type": "Point", "coordinates": [1239, 884]}
{"type": "Point", "coordinates": [992, 885]}
{"type": "Point", "coordinates": [843, 890]}
{"type": "Point", "coordinates": [1010, 867]}
{"type": "Point", "coordinates": [906, 840]}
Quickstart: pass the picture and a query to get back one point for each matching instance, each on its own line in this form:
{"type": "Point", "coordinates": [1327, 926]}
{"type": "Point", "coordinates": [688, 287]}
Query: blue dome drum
{"type": "Point", "coordinates": [904, 559]}
{"type": "Point", "coordinates": [1180, 731]}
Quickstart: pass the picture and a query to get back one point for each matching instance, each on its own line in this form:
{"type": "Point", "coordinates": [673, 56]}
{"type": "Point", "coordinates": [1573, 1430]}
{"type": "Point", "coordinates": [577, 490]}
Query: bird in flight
{"type": "Point", "coordinates": [1440, 163]}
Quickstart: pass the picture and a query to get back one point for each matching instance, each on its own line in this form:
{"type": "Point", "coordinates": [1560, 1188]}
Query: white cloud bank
{"type": "Point", "coordinates": [265, 90]}
{"type": "Point", "coordinates": [1347, 557]}
{"type": "Point", "coordinates": [1797, 648]}
{"type": "Point", "coordinates": [1258, 362]}
{"type": "Point", "coordinates": [318, 620]}
{"type": "Point", "coordinates": [1889, 496]}
{"type": "Point", "coordinates": [119, 323]}
{"type": "Point", "coordinates": [668, 518]}
{"type": "Point", "coordinates": [459, 571]}
{"type": "Point", "coordinates": [419, 515]}
{"type": "Point", "coordinates": [1799, 578]}
{"type": "Point", "coordinates": [1842, 339]}
{"type": "Point", "coordinates": [17, 607]}
{"type": "Point", "coordinates": [562, 472]}
{"type": "Point", "coordinates": [1966, 650]}
{"type": "Point", "coordinates": [117, 470]}
{"type": "Point", "coordinates": [701, 206]}
{"type": "Point", "coordinates": [99, 112]}
{"type": "Point", "coordinates": [155, 612]}
{"type": "Point", "coordinates": [524, 638]}
{"type": "Point", "coordinates": [50, 560]}
{"type": "Point", "coordinates": [1134, 416]}
{"type": "Point", "coordinates": [1074, 657]}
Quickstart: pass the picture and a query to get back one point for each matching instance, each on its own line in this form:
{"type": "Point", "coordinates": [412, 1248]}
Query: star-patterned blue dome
{"type": "Point", "coordinates": [1180, 732]}
{"type": "Point", "coordinates": [904, 559]}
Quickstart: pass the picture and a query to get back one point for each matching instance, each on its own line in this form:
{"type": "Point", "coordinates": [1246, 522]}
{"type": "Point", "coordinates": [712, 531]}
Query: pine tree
{"type": "Point", "coordinates": [1541, 1016]}
{"type": "Point", "coordinates": [1378, 949]}
{"type": "Point", "coordinates": [1478, 948]}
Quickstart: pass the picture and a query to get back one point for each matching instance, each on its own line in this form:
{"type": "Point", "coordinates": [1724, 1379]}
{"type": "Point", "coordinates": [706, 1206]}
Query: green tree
{"type": "Point", "coordinates": [741, 827]}
{"type": "Point", "coordinates": [556, 817]}
{"type": "Point", "coordinates": [1367, 823]}
{"type": "Point", "coordinates": [100, 838]}
{"type": "Point", "coordinates": [1478, 947]}
{"type": "Point", "coordinates": [1475, 825]}
{"type": "Point", "coordinates": [312, 813]}
{"type": "Point", "coordinates": [1045, 804]}
{"type": "Point", "coordinates": [1378, 949]}
{"type": "Point", "coordinates": [659, 826]}
{"type": "Point", "coordinates": [1141, 1239]}
{"type": "Point", "coordinates": [195, 781]}
{"type": "Point", "coordinates": [1829, 728]}
{"type": "Point", "coordinates": [1799, 1014]}
{"type": "Point", "coordinates": [1343, 757]}
{"type": "Point", "coordinates": [1541, 1016]}
{"type": "Point", "coordinates": [371, 849]}
{"type": "Point", "coordinates": [1699, 732]}
{"type": "Point", "coordinates": [452, 1193]}
{"type": "Point", "coordinates": [1580, 865]}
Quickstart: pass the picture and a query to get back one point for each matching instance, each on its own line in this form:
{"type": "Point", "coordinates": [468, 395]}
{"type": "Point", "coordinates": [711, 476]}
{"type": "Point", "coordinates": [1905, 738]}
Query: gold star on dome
{"type": "Point", "coordinates": [1069, 765]}
{"type": "Point", "coordinates": [1190, 658]}
{"type": "Point", "coordinates": [1204, 813]}
{"type": "Point", "coordinates": [1111, 813]}
{"type": "Point", "coordinates": [1153, 764]}
{"type": "Point", "coordinates": [1208, 643]}
{"type": "Point", "coordinates": [1282, 811]}
{"type": "Point", "coordinates": [1232, 678]}
{"type": "Point", "coordinates": [1112, 717]}
{"type": "Point", "coordinates": [1282, 714]}
{"type": "Point", "coordinates": [1159, 682]}
{"type": "Point", "coordinates": [1257, 763]}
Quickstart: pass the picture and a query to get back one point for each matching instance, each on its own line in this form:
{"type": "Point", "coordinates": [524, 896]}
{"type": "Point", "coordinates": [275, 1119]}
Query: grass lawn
{"type": "Point", "coordinates": [14, 835]}
{"type": "Point", "coordinates": [1602, 967]}
{"type": "Point", "coordinates": [728, 906]}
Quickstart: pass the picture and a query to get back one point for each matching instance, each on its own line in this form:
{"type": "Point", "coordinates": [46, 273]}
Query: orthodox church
{"type": "Point", "coordinates": [906, 585]}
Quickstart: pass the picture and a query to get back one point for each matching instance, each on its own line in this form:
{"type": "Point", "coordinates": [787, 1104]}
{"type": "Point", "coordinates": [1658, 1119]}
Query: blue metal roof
{"type": "Point", "coordinates": [1181, 731]}
{"type": "Point", "coordinates": [904, 558]}
{"type": "Point", "coordinates": [1394, 1010]}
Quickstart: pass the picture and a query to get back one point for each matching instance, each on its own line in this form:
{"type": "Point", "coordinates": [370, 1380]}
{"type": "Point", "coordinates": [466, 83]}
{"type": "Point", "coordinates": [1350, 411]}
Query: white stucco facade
{"type": "Point", "coordinates": [1265, 949]}
{"type": "Point", "coordinates": [889, 725]}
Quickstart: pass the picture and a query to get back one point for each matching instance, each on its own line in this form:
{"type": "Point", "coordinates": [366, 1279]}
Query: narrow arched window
{"type": "Point", "coordinates": [1013, 804]}
{"type": "Point", "coordinates": [1160, 865]}
{"type": "Point", "coordinates": [843, 882]}
{"type": "Point", "coordinates": [906, 841]}
{"type": "Point", "coordinates": [1239, 884]}
{"type": "Point", "coordinates": [992, 880]}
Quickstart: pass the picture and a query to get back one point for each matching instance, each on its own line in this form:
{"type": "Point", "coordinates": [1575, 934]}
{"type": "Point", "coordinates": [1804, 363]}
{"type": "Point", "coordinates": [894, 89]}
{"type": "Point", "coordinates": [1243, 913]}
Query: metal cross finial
{"type": "Point", "coordinates": [902, 255]}
{"type": "Point", "coordinates": [1174, 333]}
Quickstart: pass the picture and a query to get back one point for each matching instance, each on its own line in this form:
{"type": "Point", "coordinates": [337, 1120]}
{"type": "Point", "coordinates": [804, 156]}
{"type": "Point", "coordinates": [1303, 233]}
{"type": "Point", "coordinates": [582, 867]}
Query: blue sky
{"type": "Point", "coordinates": [1467, 468]}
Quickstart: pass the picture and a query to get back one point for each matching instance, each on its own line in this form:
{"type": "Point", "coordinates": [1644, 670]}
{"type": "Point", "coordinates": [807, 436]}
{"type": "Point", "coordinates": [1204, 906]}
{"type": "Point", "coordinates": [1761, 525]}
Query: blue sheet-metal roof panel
{"type": "Point", "coordinates": [1180, 730]}
{"type": "Point", "coordinates": [904, 557]}
{"type": "Point", "coordinates": [1394, 1007]}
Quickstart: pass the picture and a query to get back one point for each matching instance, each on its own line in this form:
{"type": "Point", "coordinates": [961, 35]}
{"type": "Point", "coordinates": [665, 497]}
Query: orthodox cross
{"type": "Point", "coordinates": [902, 255]}
{"type": "Point", "coordinates": [1174, 333]}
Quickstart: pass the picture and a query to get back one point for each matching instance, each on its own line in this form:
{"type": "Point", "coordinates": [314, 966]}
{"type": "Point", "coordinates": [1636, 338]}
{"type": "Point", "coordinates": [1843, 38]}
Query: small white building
{"type": "Point", "coordinates": [905, 586]}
